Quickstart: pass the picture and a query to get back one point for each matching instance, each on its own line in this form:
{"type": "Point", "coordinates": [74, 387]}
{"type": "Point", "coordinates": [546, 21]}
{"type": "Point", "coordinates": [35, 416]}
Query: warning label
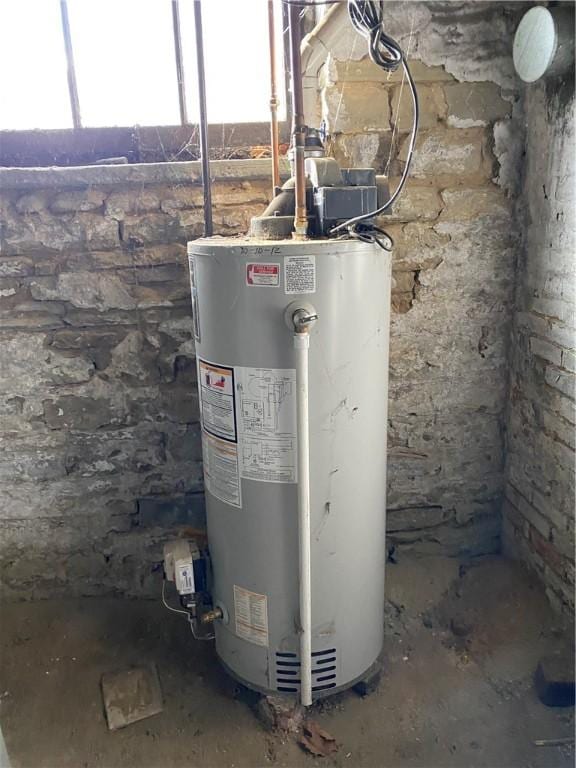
{"type": "Point", "coordinates": [300, 274]}
{"type": "Point", "coordinates": [221, 476]}
{"type": "Point", "coordinates": [216, 387]}
{"type": "Point", "coordinates": [251, 612]}
{"type": "Point", "coordinates": [266, 416]}
{"type": "Point", "coordinates": [248, 427]}
{"type": "Point", "coordinates": [263, 274]}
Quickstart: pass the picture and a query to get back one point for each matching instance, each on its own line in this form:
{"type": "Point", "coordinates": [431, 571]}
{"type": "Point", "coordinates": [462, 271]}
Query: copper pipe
{"type": "Point", "coordinates": [273, 101]}
{"type": "Point", "coordinates": [298, 126]}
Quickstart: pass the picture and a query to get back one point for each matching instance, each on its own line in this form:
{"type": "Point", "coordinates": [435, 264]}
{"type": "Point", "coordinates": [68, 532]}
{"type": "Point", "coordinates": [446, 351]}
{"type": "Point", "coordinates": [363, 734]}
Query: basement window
{"type": "Point", "coordinates": [33, 66]}
{"type": "Point", "coordinates": [124, 60]}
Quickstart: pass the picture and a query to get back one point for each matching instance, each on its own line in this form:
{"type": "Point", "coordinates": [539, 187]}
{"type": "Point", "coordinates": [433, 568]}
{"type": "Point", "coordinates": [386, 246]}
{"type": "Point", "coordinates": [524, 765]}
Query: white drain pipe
{"type": "Point", "coordinates": [303, 318]}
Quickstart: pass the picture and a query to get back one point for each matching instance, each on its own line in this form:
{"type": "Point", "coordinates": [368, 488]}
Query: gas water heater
{"type": "Point", "coordinates": [247, 380]}
{"type": "Point", "coordinates": [291, 327]}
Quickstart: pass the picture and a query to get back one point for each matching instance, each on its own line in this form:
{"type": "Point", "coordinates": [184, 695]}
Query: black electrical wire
{"type": "Point", "coordinates": [370, 233]}
{"type": "Point", "coordinates": [367, 17]}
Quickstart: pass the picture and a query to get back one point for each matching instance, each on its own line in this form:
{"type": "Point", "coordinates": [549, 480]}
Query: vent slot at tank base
{"type": "Point", "coordinates": [323, 671]}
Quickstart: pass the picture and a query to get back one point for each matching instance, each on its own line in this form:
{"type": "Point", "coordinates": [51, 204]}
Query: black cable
{"type": "Point", "coordinates": [369, 233]}
{"type": "Point", "coordinates": [367, 18]}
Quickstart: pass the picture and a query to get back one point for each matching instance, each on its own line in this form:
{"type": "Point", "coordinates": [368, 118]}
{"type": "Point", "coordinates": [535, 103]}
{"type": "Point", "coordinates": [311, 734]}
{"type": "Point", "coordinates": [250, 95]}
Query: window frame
{"type": "Point", "coordinates": [83, 145]}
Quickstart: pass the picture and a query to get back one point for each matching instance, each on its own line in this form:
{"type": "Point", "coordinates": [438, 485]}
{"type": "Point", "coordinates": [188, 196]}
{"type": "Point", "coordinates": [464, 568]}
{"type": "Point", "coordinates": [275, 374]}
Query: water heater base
{"type": "Point", "coordinates": [363, 685]}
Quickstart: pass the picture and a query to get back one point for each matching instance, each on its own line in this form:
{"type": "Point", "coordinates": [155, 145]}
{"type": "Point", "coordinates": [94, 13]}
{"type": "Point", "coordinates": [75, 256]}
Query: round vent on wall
{"type": "Point", "coordinates": [544, 42]}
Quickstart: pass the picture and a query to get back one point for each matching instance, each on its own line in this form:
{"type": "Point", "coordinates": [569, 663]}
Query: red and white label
{"type": "Point", "coordinates": [262, 274]}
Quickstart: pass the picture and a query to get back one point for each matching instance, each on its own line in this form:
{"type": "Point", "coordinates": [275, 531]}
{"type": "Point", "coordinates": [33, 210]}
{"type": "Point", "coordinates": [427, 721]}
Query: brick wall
{"type": "Point", "coordinates": [539, 507]}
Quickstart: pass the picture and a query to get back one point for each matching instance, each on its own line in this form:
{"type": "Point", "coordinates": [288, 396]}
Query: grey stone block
{"type": "Point", "coordinates": [554, 679]}
{"type": "Point", "coordinates": [184, 510]}
{"type": "Point", "coordinates": [131, 695]}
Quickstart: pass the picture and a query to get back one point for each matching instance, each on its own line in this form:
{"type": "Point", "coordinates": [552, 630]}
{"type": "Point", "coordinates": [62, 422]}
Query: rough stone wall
{"type": "Point", "coordinates": [454, 257]}
{"type": "Point", "coordinates": [100, 452]}
{"type": "Point", "coordinates": [539, 506]}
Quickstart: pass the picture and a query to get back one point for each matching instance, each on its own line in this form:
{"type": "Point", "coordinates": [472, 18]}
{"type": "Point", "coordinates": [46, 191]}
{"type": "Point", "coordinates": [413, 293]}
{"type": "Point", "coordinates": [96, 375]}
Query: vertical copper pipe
{"type": "Point", "coordinates": [179, 61]}
{"type": "Point", "coordinates": [298, 127]}
{"type": "Point", "coordinates": [206, 184]}
{"type": "Point", "coordinates": [273, 101]}
{"type": "Point", "coordinates": [72, 85]}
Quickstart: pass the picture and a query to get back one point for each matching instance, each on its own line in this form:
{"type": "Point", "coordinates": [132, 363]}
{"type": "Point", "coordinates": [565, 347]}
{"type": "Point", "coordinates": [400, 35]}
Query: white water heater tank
{"type": "Point", "coordinates": [247, 384]}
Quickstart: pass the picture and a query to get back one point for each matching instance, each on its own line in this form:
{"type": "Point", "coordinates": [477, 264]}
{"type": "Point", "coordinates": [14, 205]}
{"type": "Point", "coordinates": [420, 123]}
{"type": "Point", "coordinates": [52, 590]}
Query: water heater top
{"type": "Point", "coordinates": [206, 245]}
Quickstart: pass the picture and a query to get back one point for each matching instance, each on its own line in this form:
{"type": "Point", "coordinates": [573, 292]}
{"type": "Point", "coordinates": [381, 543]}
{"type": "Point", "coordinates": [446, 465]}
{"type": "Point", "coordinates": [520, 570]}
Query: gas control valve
{"type": "Point", "coordinates": [185, 565]}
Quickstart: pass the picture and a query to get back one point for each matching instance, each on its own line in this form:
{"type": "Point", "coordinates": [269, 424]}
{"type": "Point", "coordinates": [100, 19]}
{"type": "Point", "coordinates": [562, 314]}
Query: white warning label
{"type": "Point", "coordinates": [184, 575]}
{"type": "Point", "coordinates": [221, 476]}
{"type": "Point", "coordinates": [266, 415]}
{"type": "Point", "coordinates": [216, 387]}
{"type": "Point", "coordinates": [251, 612]}
{"type": "Point", "coordinates": [300, 274]}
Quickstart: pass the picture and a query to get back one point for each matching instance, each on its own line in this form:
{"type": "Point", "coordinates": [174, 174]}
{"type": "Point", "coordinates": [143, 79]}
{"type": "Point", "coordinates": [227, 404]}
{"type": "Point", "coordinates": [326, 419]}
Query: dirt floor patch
{"type": "Point", "coordinates": [461, 647]}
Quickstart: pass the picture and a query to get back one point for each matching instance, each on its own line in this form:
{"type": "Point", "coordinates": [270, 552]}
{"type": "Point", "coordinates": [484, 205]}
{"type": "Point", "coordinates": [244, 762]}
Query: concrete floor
{"type": "Point", "coordinates": [461, 648]}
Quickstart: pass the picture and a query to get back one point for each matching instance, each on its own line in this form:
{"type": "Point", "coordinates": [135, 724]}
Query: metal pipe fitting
{"type": "Point", "coordinates": [303, 320]}
{"type": "Point", "coordinates": [211, 616]}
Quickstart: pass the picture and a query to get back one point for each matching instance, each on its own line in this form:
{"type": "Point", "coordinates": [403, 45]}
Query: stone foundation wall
{"type": "Point", "coordinates": [540, 499]}
{"type": "Point", "coordinates": [101, 452]}
{"type": "Point", "coordinates": [454, 259]}
{"type": "Point", "coordinates": [100, 447]}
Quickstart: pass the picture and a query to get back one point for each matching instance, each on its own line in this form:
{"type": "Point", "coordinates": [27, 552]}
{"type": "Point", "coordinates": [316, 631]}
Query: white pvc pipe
{"type": "Point", "coordinates": [301, 346]}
